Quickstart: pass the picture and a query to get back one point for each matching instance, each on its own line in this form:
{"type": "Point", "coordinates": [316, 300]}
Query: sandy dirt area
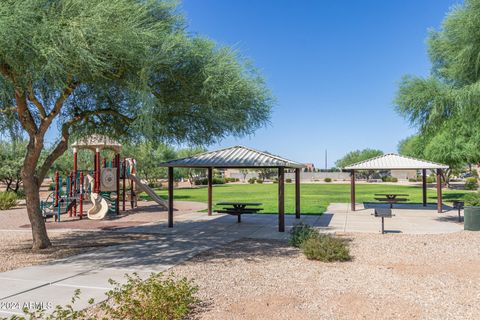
{"type": "Point", "coordinates": [390, 277]}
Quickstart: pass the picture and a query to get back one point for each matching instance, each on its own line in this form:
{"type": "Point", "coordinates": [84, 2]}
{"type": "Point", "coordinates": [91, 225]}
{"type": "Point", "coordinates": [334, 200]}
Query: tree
{"type": "Point", "coordinates": [266, 173]}
{"type": "Point", "coordinates": [358, 156]}
{"type": "Point", "coordinates": [244, 173]}
{"type": "Point", "coordinates": [413, 146]}
{"type": "Point", "coordinates": [444, 106]}
{"type": "Point", "coordinates": [119, 68]}
{"type": "Point", "coordinates": [148, 156]}
{"type": "Point", "coordinates": [190, 173]}
{"type": "Point", "coordinates": [11, 160]}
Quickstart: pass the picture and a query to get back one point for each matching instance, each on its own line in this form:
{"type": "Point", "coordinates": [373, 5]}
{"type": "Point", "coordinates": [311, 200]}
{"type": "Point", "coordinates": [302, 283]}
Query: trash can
{"type": "Point", "coordinates": [471, 218]}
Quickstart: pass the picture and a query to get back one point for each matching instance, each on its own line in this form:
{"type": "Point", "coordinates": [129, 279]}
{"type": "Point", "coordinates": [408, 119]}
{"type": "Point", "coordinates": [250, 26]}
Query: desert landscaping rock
{"type": "Point", "coordinates": [391, 276]}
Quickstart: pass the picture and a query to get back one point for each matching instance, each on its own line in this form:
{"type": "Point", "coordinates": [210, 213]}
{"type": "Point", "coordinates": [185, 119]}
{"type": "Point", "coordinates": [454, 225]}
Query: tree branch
{"type": "Point", "coordinates": [34, 100]}
{"type": "Point", "coordinates": [58, 104]}
{"type": "Point", "coordinates": [24, 114]}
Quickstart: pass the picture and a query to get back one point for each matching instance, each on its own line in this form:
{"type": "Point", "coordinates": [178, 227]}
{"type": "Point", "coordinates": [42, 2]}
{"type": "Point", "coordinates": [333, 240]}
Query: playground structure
{"type": "Point", "coordinates": [106, 187]}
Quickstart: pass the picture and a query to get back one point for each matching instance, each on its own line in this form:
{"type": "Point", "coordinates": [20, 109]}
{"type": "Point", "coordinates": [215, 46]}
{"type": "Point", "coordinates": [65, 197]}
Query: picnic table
{"type": "Point", "coordinates": [239, 208]}
{"type": "Point", "coordinates": [392, 198]}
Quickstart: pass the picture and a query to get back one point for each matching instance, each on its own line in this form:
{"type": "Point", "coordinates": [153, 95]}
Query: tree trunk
{"type": "Point", "coordinates": [39, 231]}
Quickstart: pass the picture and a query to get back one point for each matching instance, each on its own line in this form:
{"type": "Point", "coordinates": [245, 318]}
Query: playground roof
{"type": "Point", "coordinates": [393, 161]}
{"type": "Point", "coordinates": [233, 157]}
{"type": "Point", "coordinates": [97, 142]}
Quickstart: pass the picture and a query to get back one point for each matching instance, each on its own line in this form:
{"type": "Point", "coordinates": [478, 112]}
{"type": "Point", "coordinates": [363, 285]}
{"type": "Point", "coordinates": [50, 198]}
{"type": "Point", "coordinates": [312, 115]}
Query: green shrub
{"type": "Point", "coordinates": [389, 179]}
{"type": "Point", "coordinates": [21, 193]}
{"type": "Point", "coordinates": [260, 181]}
{"type": "Point", "coordinates": [474, 173]}
{"type": "Point", "coordinates": [8, 200]}
{"type": "Point", "coordinates": [51, 186]}
{"type": "Point", "coordinates": [325, 248]}
{"type": "Point", "coordinates": [471, 183]}
{"type": "Point", "coordinates": [252, 180]}
{"type": "Point", "coordinates": [288, 180]}
{"type": "Point", "coordinates": [412, 180]}
{"type": "Point", "coordinates": [431, 179]}
{"type": "Point", "coordinates": [327, 179]}
{"type": "Point", "coordinates": [204, 181]}
{"type": "Point", "coordinates": [158, 297]}
{"type": "Point", "coordinates": [301, 232]}
{"type": "Point", "coordinates": [472, 199]}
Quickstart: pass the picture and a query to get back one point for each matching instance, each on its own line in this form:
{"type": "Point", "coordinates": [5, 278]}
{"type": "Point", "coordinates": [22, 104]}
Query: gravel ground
{"type": "Point", "coordinates": [391, 277]}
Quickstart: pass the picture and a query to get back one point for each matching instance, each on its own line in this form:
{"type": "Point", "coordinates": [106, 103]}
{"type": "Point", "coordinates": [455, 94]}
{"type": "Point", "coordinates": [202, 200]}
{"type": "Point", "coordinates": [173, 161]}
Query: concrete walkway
{"type": "Point", "coordinates": [408, 219]}
{"type": "Point", "coordinates": [54, 283]}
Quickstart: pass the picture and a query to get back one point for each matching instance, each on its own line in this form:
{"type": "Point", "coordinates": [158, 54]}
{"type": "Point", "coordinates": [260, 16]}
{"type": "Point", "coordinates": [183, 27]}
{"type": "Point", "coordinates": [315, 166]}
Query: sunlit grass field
{"type": "Point", "coordinates": [314, 197]}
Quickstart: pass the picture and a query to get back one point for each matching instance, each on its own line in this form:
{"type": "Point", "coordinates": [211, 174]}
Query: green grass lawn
{"type": "Point", "coordinates": [315, 197]}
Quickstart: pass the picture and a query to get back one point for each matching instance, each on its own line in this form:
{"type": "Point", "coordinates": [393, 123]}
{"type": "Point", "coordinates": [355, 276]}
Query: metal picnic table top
{"type": "Point", "coordinates": [230, 203]}
{"type": "Point", "coordinates": [392, 195]}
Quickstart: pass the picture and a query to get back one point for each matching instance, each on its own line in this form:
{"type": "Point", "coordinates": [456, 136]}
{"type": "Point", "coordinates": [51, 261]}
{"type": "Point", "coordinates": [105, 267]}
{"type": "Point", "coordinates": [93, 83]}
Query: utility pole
{"type": "Point", "coordinates": [326, 159]}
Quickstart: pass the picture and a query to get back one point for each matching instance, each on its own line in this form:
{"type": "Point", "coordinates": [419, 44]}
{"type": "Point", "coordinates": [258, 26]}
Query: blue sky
{"type": "Point", "coordinates": [333, 67]}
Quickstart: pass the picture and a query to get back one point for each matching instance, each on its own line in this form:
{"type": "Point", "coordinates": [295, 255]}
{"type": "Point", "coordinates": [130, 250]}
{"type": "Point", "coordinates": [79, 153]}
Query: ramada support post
{"type": "Point", "coordinates": [210, 182]}
{"type": "Point", "coordinates": [297, 193]}
{"type": "Point", "coordinates": [439, 190]}
{"type": "Point", "coordinates": [424, 186]}
{"type": "Point", "coordinates": [117, 200]}
{"type": "Point", "coordinates": [281, 199]}
{"type": "Point", "coordinates": [97, 170]}
{"type": "Point", "coordinates": [352, 190]}
{"type": "Point", "coordinates": [170, 197]}
{"type": "Point", "coordinates": [124, 184]}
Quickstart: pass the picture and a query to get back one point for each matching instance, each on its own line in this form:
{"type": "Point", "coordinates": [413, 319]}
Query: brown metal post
{"type": "Point", "coordinates": [281, 199]}
{"type": "Point", "coordinates": [81, 195]}
{"type": "Point", "coordinates": [424, 186]}
{"type": "Point", "coordinates": [117, 201]}
{"type": "Point", "coordinates": [210, 183]}
{"type": "Point", "coordinates": [170, 197]}
{"type": "Point", "coordinates": [124, 187]}
{"type": "Point", "coordinates": [97, 170]}
{"type": "Point", "coordinates": [439, 191]}
{"type": "Point", "coordinates": [352, 190]}
{"type": "Point", "coordinates": [297, 193]}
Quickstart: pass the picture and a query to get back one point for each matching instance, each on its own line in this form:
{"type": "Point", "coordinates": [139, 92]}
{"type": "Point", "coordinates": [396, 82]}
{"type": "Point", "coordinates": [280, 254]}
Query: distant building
{"type": "Point", "coordinates": [309, 167]}
{"type": "Point", "coordinates": [404, 174]}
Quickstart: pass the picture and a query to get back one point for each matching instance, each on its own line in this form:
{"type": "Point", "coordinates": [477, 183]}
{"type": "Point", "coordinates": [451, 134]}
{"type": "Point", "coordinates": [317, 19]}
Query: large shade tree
{"type": "Point", "coordinates": [445, 106]}
{"type": "Point", "coordinates": [120, 68]}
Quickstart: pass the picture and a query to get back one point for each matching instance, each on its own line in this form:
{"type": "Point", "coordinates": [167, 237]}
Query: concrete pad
{"type": "Point", "coordinates": [410, 219]}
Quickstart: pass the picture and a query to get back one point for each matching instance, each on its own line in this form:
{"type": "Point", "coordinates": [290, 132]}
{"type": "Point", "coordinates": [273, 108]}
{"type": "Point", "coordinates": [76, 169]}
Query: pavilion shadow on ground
{"type": "Point", "coordinates": [408, 206]}
{"type": "Point", "coordinates": [186, 239]}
